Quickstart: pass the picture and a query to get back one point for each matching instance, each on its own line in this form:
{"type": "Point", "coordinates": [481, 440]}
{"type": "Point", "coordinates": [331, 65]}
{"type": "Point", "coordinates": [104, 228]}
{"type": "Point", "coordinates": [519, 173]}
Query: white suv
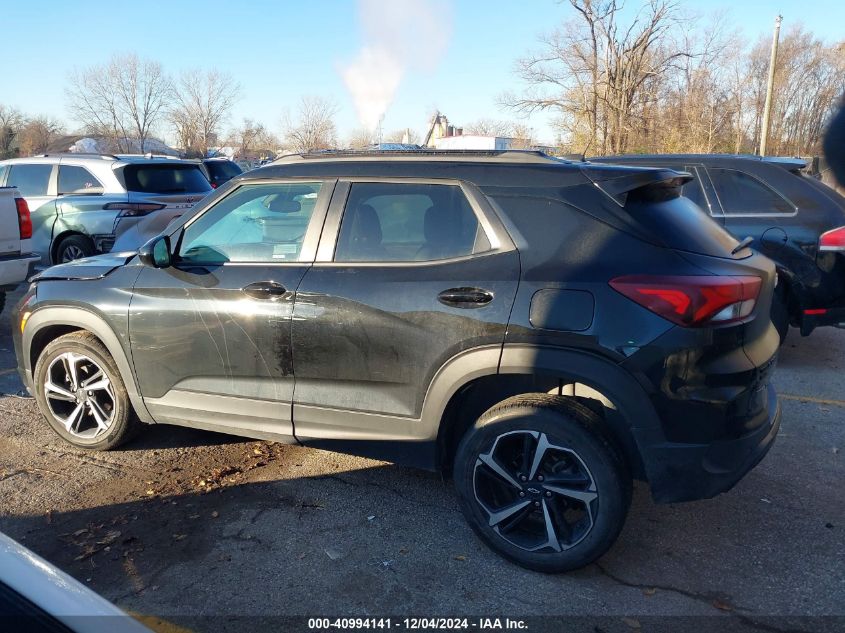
{"type": "Point", "coordinates": [80, 203]}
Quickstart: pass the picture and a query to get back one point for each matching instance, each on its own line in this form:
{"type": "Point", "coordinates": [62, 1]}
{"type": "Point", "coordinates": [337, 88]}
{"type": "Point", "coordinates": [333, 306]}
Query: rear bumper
{"type": "Point", "coordinates": [685, 472]}
{"type": "Point", "coordinates": [16, 269]}
{"type": "Point", "coordinates": [813, 318]}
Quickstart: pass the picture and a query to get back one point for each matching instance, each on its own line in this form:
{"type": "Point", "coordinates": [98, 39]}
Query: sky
{"type": "Point", "coordinates": [410, 56]}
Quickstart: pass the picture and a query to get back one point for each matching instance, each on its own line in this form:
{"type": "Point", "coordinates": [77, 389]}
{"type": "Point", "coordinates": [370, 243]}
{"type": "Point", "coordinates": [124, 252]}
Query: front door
{"type": "Point", "coordinates": [210, 335]}
{"type": "Point", "coordinates": [416, 274]}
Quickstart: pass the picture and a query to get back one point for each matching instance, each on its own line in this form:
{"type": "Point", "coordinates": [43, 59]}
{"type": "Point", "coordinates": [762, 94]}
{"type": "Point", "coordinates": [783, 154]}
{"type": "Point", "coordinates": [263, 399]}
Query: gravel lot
{"type": "Point", "coordinates": [205, 529]}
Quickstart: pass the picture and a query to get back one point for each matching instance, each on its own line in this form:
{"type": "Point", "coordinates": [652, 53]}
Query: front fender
{"type": "Point", "coordinates": [83, 319]}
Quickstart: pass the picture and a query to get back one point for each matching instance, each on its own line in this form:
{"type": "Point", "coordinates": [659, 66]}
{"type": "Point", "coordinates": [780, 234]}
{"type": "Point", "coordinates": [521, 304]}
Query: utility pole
{"type": "Point", "coordinates": [767, 110]}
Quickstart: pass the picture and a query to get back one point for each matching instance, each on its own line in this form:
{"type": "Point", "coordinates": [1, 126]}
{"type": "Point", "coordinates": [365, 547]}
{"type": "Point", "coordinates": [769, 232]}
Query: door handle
{"type": "Point", "coordinates": [265, 290]}
{"type": "Point", "coordinates": [465, 297]}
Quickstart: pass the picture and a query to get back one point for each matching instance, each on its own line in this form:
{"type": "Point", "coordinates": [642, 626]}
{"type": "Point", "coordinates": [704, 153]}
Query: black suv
{"type": "Point", "coordinates": [543, 330]}
{"type": "Point", "coordinates": [793, 218]}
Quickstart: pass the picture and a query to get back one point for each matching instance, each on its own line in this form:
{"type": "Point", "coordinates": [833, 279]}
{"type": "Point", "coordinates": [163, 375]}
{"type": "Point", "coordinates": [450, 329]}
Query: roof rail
{"type": "Point", "coordinates": [148, 155]}
{"type": "Point", "coordinates": [78, 155]}
{"type": "Point", "coordinates": [510, 155]}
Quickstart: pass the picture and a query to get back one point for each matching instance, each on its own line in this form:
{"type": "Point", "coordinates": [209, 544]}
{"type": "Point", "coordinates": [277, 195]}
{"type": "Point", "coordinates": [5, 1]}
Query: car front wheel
{"type": "Point", "coordinates": [541, 482]}
{"type": "Point", "coordinates": [81, 394]}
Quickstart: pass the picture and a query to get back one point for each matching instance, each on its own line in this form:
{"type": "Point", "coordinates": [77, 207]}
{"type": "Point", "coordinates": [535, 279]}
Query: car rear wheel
{"type": "Point", "coordinates": [81, 394]}
{"type": "Point", "coordinates": [74, 247]}
{"type": "Point", "coordinates": [541, 482]}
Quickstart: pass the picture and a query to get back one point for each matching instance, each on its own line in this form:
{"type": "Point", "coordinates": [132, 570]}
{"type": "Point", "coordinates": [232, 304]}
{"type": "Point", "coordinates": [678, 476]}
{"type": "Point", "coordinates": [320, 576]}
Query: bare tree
{"type": "Point", "coordinates": [122, 100]}
{"type": "Point", "coordinates": [360, 138]}
{"type": "Point", "coordinates": [203, 101]}
{"type": "Point", "coordinates": [250, 139]}
{"type": "Point", "coordinates": [490, 127]}
{"type": "Point", "coordinates": [37, 134]}
{"type": "Point", "coordinates": [313, 127]}
{"type": "Point", "coordinates": [596, 72]}
{"type": "Point", "coordinates": [11, 124]}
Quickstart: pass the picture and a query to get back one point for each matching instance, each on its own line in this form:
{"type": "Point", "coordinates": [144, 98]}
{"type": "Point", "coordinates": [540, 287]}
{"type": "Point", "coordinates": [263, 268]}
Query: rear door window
{"type": "Point", "coordinates": [405, 222]}
{"type": "Point", "coordinates": [31, 180]}
{"type": "Point", "coordinates": [743, 194]}
{"type": "Point", "coordinates": [74, 179]}
{"type": "Point", "coordinates": [164, 178]}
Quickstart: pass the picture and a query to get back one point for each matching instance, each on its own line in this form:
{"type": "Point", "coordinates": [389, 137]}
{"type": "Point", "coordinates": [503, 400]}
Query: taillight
{"type": "Point", "coordinates": [213, 185]}
{"type": "Point", "coordinates": [693, 301]}
{"type": "Point", "coordinates": [24, 219]}
{"type": "Point", "coordinates": [133, 209]}
{"type": "Point", "coordinates": [833, 240]}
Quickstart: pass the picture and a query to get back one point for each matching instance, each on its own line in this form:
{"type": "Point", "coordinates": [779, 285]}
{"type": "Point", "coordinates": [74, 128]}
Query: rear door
{"type": "Point", "coordinates": [409, 274]}
{"type": "Point", "coordinates": [81, 206]}
{"type": "Point", "coordinates": [210, 335]}
{"type": "Point", "coordinates": [753, 208]}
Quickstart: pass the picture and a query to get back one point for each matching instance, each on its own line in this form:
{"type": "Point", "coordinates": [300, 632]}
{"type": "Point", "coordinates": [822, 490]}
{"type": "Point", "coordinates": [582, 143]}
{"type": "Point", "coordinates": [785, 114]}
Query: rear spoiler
{"type": "Point", "coordinates": [649, 184]}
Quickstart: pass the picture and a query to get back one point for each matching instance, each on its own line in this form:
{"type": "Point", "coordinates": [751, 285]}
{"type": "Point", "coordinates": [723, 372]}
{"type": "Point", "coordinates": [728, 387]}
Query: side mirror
{"type": "Point", "coordinates": [156, 253]}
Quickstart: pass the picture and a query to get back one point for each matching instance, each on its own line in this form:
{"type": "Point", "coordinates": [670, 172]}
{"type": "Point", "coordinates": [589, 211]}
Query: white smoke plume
{"type": "Point", "coordinates": [398, 35]}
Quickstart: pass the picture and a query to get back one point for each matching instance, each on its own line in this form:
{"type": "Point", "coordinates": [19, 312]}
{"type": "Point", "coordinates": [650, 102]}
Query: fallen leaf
{"type": "Point", "coordinates": [460, 557]}
{"type": "Point", "coordinates": [215, 514]}
{"type": "Point", "coordinates": [633, 623]}
{"type": "Point", "coordinates": [179, 537]}
{"type": "Point", "coordinates": [650, 591]}
{"type": "Point", "coordinates": [150, 492]}
{"type": "Point", "coordinates": [109, 538]}
{"type": "Point", "coordinates": [724, 606]}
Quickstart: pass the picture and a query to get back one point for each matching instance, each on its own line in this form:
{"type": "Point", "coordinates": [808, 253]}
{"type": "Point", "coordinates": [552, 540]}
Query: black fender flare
{"type": "Point", "coordinates": [83, 319]}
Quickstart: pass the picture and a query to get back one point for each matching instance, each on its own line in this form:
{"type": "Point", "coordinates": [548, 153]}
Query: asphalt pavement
{"type": "Point", "coordinates": [220, 533]}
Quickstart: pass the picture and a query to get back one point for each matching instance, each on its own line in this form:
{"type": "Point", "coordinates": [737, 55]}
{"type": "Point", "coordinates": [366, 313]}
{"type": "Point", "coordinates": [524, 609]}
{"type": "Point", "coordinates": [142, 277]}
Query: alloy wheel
{"type": "Point", "coordinates": [80, 395]}
{"type": "Point", "coordinates": [537, 495]}
{"type": "Point", "coordinates": [72, 252]}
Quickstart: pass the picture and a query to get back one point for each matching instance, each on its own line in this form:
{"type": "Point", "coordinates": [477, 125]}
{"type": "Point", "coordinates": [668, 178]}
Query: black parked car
{"type": "Point", "coordinates": [220, 170]}
{"type": "Point", "coordinates": [544, 330]}
{"type": "Point", "coordinates": [794, 219]}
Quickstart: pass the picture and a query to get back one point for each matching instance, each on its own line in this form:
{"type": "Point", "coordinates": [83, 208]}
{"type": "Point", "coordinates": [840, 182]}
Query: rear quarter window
{"type": "Point", "coordinates": [743, 194]}
{"type": "Point", "coordinates": [164, 178]}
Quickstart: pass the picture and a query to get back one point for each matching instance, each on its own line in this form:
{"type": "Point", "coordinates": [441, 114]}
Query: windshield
{"type": "Point", "coordinates": [165, 178]}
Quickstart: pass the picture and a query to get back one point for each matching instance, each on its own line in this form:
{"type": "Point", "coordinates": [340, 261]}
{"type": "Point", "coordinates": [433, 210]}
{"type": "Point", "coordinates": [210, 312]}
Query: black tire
{"type": "Point", "coordinates": [780, 312]}
{"type": "Point", "coordinates": [579, 439]}
{"type": "Point", "coordinates": [73, 247]}
{"type": "Point", "coordinates": [123, 422]}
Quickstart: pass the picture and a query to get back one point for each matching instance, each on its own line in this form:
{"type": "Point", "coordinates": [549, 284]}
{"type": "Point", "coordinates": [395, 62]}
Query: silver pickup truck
{"type": "Point", "coordinates": [16, 257]}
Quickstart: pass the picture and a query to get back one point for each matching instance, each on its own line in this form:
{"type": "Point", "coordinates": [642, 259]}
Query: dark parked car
{"type": "Point", "coordinates": [220, 170]}
{"type": "Point", "coordinates": [544, 330]}
{"type": "Point", "coordinates": [793, 218]}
